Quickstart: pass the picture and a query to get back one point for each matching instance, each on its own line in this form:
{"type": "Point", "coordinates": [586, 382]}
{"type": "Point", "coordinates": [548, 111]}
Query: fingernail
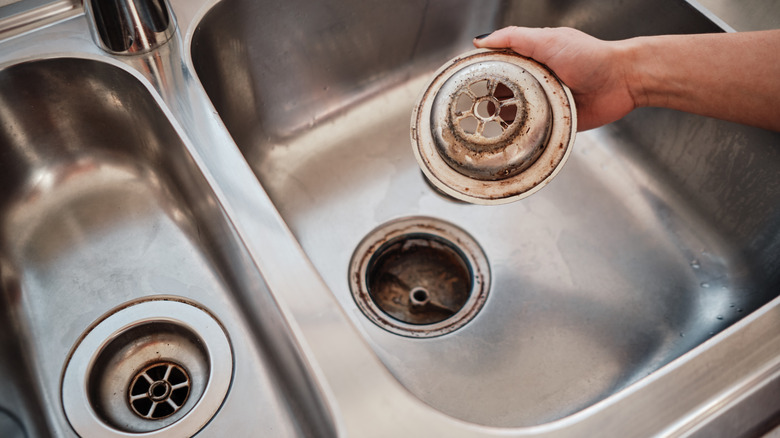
{"type": "Point", "coordinates": [482, 36]}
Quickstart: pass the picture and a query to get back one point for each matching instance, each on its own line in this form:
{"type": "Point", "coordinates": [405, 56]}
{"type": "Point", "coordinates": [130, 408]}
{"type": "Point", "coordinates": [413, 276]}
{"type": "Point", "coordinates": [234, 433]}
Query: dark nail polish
{"type": "Point", "coordinates": [482, 36]}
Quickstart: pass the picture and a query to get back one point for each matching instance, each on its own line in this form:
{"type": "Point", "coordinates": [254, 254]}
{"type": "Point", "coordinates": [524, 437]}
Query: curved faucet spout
{"type": "Point", "coordinates": [129, 27]}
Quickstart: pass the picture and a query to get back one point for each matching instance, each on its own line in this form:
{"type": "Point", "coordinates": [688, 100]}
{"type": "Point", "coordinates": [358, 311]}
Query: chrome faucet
{"type": "Point", "coordinates": [129, 27]}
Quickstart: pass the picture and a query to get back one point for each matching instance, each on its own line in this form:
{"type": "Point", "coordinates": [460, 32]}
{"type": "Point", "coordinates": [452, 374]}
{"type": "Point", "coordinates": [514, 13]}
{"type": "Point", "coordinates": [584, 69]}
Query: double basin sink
{"type": "Point", "coordinates": [236, 169]}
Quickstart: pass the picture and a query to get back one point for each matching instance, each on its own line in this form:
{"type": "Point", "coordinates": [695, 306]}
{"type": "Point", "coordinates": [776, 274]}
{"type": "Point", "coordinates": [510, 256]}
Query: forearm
{"type": "Point", "coordinates": [729, 76]}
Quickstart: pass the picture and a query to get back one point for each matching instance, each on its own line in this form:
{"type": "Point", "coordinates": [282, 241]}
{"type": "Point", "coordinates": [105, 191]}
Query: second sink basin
{"type": "Point", "coordinates": [103, 207]}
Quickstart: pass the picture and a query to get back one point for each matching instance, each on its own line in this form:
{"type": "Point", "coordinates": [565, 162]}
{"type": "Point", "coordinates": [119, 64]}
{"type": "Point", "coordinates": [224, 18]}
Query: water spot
{"type": "Point", "coordinates": [705, 285]}
{"type": "Point", "coordinates": [682, 335]}
{"type": "Point", "coordinates": [695, 264]}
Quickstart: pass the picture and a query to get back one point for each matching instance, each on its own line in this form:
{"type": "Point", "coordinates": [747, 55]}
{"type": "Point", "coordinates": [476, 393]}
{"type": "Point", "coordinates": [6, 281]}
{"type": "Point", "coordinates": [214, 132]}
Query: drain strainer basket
{"type": "Point", "coordinates": [493, 127]}
{"type": "Point", "coordinates": [159, 390]}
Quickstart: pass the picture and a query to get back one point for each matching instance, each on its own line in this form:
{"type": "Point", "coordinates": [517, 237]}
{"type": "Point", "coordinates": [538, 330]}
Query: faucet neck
{"type": "Point", "coordinates": [129, 27]}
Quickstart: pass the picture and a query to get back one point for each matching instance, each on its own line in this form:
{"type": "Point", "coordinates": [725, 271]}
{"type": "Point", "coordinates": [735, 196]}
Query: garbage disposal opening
{"type": "Point", "coordinates": [419, 277]}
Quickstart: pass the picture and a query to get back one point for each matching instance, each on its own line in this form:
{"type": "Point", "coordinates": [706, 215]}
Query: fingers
{"type": "Point", "coordinates": [522, 40]}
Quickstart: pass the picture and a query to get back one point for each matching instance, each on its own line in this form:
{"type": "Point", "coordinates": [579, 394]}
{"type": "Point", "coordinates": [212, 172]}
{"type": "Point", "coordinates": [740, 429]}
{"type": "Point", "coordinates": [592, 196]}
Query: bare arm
{"type": "Point", "coordinates": [729, 76]}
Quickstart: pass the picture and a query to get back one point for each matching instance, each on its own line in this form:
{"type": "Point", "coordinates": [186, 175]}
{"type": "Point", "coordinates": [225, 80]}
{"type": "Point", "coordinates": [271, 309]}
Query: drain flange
{"type": "Point", "coordinates": [419, 277]}
{"type": "Point", "coordinates": [159, 367]}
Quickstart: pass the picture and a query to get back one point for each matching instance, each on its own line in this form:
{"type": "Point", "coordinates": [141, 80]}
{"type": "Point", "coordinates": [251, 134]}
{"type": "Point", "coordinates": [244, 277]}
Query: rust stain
{"type": "Point", "coordinates": [450, 288]}
{"type": "Point", "coordinates": [459, 145]}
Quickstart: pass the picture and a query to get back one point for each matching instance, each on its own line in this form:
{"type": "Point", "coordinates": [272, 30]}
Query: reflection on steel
{"type": "Point", "coordinates": [130, 27]}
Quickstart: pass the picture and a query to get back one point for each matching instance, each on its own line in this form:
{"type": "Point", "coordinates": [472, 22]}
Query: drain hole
{"type": "Point", "coordinates": [148, 377]}
{"type": "Point", "coordinates": [419, 297]}
{"type": "Point", "coordinates": [419, 282]}
{"type": "Point", "coordinates": [503, 92]}
{"type": "Point", "coordinates": [159, 390]}
{"type": "Point", "coordinates": [464, 103]}
{"type": "Point", "coordinates": [508, 113]}
{"type": "Point", "coordinates": [419, 279]}
{"type": "Point", "coordinates": [480, 88]}
{"type": "Point", "coordinates": [485, 109]}
{"type": "Point", "coordinates": [469, 125]}
{"type": "Point", "coordinates": [492, 129]}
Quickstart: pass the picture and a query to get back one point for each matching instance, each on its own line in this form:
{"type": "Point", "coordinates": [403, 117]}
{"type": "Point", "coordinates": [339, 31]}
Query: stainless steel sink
{"type": "Point", "coordinates": [660, 232]}
{"type": "Point", "coordinates": [231, 172]}
{"type": "Point", "coordinates": [103, 207]}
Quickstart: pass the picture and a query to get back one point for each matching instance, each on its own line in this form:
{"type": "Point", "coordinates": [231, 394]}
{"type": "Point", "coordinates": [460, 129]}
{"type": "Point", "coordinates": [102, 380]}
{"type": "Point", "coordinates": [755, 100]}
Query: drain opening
{"type": "Point", "coordinates": [419, 277]}
{"type": "Point", "coordinates": [159, 390]}
{"type": "Point", "coordinates": [419, 297]}
{"type": "Point", "coordinates": [149, 376]}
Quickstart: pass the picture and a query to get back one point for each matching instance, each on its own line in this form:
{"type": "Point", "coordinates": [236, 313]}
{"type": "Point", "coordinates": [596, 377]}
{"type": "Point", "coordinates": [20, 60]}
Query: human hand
{"type": "Point", "coordinates": [593, 69]}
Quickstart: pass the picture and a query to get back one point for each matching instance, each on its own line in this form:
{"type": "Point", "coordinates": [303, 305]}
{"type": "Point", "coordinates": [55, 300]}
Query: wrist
{"type": "Point", "coordinates": [637, 76]}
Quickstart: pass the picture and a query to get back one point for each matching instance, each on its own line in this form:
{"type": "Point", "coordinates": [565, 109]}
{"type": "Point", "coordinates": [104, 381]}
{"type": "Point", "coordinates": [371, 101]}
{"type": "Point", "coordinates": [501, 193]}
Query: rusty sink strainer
{"type": "Point", "coordinates": [493, 127]}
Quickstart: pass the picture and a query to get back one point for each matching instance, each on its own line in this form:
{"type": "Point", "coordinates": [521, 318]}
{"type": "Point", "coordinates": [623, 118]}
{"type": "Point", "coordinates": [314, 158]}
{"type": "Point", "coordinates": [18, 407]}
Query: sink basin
{"type": "Point", "coordinates": [660, 232]}
{"type": "Point", "coordinates": [103, 207]}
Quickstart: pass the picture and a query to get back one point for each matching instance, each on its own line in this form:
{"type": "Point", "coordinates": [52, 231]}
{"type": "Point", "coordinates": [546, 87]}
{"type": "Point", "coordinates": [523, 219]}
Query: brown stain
{"type": "Point", "coordinates": [546, 170]}
{"type": "Point", "coordinates": [362, 296]}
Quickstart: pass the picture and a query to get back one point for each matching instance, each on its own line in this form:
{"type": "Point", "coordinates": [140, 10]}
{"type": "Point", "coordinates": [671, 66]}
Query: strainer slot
{"type": "Point", "coordinates": [484, 110]}
{"type": "Point", "coordinates": [480, 88]}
